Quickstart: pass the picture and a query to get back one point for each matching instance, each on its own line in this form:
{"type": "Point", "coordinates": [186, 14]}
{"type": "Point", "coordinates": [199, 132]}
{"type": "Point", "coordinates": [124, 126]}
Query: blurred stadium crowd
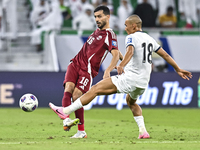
{"type": "Point", "coordinates": [56, 15]}
{"type": "Point", "coordinates": [46, 15]}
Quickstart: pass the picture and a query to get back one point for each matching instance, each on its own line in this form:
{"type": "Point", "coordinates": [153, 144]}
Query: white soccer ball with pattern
{"type": "Point", "coordinates": [28, 102]}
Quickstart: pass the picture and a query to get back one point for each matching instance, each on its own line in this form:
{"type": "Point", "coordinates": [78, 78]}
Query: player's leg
{"type": "Point", "coordinates": [68, 90]}
{"type": "Point", "coordinates": [71, 79]}
{"type": "Point", "coordinates": [137, 113]}
{"type": "Point", "coordinates": [66, 101]}
{"type": "Point", "coordinates": [69, 83]}
{"type": "Point", "coordinates": [69, 86]}
{"type": "Point", "coordinates": [135, 108]}
{"type": "Point", "coordinates": [104, 87]}
{"type": "Point", "coordinates": [83, 84]}
{"type": "Point", "coordinates": [79, 114]}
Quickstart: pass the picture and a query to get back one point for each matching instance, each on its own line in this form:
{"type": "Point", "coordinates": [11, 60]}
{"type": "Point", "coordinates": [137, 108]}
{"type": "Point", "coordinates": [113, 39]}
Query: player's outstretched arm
{"type": "Point", "coordinates": [113, 63]}
{"type": "Point", "coordinates": [120, 56]}
{"type": "Point", "coordinates": [126, 59]}
{"type": "Point", "coordinates": [182, 73]}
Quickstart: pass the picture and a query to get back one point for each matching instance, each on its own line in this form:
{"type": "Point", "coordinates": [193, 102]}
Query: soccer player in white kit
{"type": "Point", "coordinates": [133, 73]}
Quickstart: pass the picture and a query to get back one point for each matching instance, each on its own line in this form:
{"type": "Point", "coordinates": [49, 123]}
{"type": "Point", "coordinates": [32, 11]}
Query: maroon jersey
{"type": "Point", "coordinates": [94, 51]}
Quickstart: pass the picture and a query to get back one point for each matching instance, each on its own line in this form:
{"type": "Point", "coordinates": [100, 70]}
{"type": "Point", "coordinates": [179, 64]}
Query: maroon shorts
{"type": "Point", "coordinates": [79, 77]}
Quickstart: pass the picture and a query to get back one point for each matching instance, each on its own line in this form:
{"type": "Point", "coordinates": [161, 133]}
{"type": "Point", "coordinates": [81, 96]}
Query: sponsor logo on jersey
{"type": "Point", "coordinates": [129, 40]}
{"type": "Point", "coordinates": [82, 87]}
{"type": "Point", "coordinates": [114, 43]}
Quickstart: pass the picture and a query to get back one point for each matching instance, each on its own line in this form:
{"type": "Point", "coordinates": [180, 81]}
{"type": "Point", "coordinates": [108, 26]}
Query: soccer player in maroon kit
{"type": "Point", "coordinates": [85, 66]}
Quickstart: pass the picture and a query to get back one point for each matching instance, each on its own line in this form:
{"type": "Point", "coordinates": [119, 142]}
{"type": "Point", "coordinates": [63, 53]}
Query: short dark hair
{"type": "Point", "coordinates": [104, 1]}
{"type": "Point", "coordinates": [170, 8]}
{"type": "Point", "coordinates": [105, 9]}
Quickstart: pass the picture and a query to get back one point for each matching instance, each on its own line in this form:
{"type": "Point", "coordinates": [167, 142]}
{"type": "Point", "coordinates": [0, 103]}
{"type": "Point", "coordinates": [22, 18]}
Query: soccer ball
{"type": "Point", "coordinates": [28, 102]}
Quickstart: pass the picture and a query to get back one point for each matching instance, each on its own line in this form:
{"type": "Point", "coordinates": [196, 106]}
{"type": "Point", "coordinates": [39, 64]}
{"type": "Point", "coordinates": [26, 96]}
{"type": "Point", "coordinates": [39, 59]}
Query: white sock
{"type": "Point", "coordinates": [140, 122]}
{"type": "Point", "coordinates": [73, 107]}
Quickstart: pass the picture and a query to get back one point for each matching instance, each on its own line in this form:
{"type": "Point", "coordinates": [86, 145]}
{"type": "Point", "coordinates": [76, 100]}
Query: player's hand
{"type": "Point", "coordinates": [120, 70]}
{"type": "Point", "coordinates": [106, 75]}
{"type": "Point", "coordinates": [184, 74]}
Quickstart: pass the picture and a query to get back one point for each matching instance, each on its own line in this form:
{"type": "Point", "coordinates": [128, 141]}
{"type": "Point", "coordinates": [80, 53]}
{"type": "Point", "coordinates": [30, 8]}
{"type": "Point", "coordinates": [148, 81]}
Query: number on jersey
{"type": "Point", "coordinates": [147, 52]}
{"type": "Point", "coordinates": [90, 40]}
{"type": "Point", "coordinates": [84, 81]}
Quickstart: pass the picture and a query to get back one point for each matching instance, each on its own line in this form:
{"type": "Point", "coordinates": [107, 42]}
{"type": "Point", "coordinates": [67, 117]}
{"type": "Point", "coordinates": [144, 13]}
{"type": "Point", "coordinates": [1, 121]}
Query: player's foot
{"type": "Point", "coordinates": [68, 123]}
{"type": "Point", "coordinates": [145, 135]}
{"type": "Point", "coordinates": [80, 134]}
{"type": "Point", "coordinates": [58, 111]}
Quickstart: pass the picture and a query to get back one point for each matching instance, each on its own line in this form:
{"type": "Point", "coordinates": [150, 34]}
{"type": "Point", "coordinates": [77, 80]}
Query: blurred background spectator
{"type": "Point", "coordinates": [52, 21]}
{"type": "Point", "coordinates": [153, 3]}
{"type": "Point", "coordinates": [106, 3]}
{"type": "Point", "coordinates": [77, 7]}
{"type": "Point", "coordinates": [0, 14]}
{"type": "Point", "coordinates": [0, 23]}
{"type": "Point", "coordinates": [189, 12]}
{"type": "Point", "coordinates": [113, 18]}
{"type": "Point", "coordinates": [114, 21]}
{"type": "Point", "coordinates": [9, 8]}
{"type": "Point", "coordinates": [146, 13]}
{"type": "Point", "coordinates": [64, 15]}
{"type": "Point", "coordinates": [168, 20]}
{"type": "Point", "coordinates": [123, 11]}
{"type": "Point", "coordinates": [85, 20]}
{"type": "Point", "coordinates": [40, 10]}
{"type": "Point", "coordinates": [65, 10]}
{"type": "Point", "coordinates": [159, 8]}
{"type": "Point", "coordinates": [164, 4]}
{"type": "Point", "coordinates": [96, 3]}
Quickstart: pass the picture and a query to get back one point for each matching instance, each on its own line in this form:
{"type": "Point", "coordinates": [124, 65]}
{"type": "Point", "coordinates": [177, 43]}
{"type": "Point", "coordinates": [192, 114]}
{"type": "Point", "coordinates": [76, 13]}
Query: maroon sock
{"type": "Point", "coordinates": [80, 114]}
{"type": "Point", "coordinates": [66, 100]}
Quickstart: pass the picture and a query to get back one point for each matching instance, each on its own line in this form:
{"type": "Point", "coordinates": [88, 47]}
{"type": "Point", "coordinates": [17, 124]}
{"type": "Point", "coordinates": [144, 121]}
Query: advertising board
{"type": "Point", "coordinates": [164, 90]}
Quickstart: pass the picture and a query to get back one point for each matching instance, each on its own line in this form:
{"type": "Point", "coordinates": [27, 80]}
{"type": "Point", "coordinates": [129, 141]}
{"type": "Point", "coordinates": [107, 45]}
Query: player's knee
{"type": "Point", "coordinates": [69, 88]}
{"type": "Point", "coordinates": [76, 95]}
{"type": "Point", "coordinates": [94, 89]}
{"type": "Point", "coordinates": [129, 100]}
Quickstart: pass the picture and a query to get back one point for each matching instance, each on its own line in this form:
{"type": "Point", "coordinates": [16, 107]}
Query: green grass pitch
{"type": "Point", "coordinates": [107, 129]}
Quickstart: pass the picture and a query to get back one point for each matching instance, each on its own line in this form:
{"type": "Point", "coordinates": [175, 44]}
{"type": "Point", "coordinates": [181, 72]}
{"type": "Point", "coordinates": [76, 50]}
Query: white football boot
{"type": "Point", "coordinates": [80, 134]}
{"type": "Point", "coordinates": [68, 123]}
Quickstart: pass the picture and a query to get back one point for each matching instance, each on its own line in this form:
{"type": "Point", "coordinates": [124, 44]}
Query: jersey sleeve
{"type": "Point", "coordinates": [129, 41]}
{"type": "Point", "coordinates": [156, 46]}
{"type": "Point", "coordinates": [112, 40]}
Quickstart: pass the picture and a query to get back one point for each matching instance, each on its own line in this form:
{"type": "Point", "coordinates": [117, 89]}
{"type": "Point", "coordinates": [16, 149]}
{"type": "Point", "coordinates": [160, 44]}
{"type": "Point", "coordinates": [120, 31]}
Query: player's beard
{"type": "Point", "coordinates": [103, 23]}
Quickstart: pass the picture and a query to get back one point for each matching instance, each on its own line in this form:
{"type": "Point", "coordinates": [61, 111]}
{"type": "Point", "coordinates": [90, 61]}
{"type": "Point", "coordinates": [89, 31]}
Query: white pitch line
{"type": "Point", "coordinates": [166, 142]}
{"type": "Point", "coordinates": [108, 142]}
{"type": "Point", "coordinates": [9, 143]}
{"type": "Point", "coordinates": [141, 142]}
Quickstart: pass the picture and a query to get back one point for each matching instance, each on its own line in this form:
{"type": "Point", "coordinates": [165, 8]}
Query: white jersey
{"type": "Point", "coordinates": [139, 67]}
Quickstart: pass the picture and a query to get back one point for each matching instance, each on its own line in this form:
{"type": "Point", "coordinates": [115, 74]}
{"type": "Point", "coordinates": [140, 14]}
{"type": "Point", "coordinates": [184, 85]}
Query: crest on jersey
{"type": "Point", "coordinates": [129, 40]}
{"type": "Point", "coordinates": [99, 37]}
{"type": "Point", "coordinates": [114, 43]}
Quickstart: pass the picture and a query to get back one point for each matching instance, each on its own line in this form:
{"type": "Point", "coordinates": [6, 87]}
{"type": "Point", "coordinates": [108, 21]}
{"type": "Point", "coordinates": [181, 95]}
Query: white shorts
{"type": "Point", "coordinates": [126, 84]}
